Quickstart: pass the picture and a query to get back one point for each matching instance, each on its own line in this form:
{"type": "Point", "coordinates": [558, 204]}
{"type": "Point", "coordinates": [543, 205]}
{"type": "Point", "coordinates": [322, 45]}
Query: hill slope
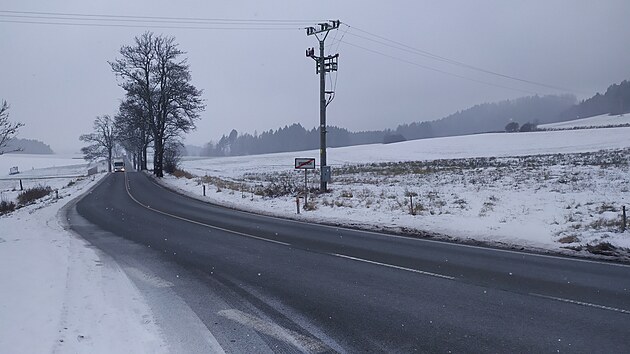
{"type": "Point", "coordinates": [28, 146]}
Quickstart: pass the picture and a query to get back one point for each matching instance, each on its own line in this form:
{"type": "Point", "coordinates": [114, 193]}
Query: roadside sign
{"type": "Point", "coordinates": [304, 163]}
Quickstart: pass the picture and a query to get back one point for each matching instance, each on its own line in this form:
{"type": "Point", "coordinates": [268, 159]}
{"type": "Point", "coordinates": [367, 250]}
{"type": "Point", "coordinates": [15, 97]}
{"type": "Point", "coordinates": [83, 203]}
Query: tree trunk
{"type": "Point", "coordinates": [144, 159]}
{"type": "Point", "coordinates": [157, 159]}
{"type": "Point", "coordinates": [109, 160]}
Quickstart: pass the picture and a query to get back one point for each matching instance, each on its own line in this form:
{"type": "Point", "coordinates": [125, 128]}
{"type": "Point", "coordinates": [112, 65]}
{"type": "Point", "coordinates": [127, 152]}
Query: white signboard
{"type": "Point", "coordinates": [304, 163]}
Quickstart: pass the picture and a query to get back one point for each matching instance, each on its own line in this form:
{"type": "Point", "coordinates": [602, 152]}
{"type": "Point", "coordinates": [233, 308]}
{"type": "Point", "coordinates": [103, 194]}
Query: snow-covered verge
{"type": "Point", "coordinates": [604, 120]}
{"type": "Point", "coordinates": [560, 191]}
{"type": "Point", "coordinates": [58, 294]}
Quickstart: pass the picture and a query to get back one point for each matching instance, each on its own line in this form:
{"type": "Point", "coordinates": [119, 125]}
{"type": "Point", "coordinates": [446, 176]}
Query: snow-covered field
{"type": "Point", "coordinates": [58, 294]}
{"type": "Point", "coordinates": [27, 163]}
{"type": "Point", "coordinates": [54, 171]}
{"type": "Point", "coordinates": [604, 120]}
{"type": "Point", "coordinates": [558, 190]}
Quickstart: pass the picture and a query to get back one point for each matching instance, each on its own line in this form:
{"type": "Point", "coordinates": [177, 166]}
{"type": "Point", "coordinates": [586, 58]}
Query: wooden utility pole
{"type": "Point", "coordinates": [324, 64]}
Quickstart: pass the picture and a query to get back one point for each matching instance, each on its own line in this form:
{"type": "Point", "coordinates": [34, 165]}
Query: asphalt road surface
{"type": "Point", "coordinates": [224, 280]}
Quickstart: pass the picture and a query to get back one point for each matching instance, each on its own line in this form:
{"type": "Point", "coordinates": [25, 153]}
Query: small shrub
{"type": "Point", "coordinates": [340, 203]}
{"type": "Point", "coordinates": [604, 248]}
{"type": "Point", "coordinates": [486, 208]}
{"type": "Point", "coordinates": [365, 193]}
{"type": "Point", "coordinates": [310, 206]}
{"type": "Point", "coordinates": [6, 207]}
{"type": "Point", "coordinates": [32, 194]}
{"type": "Point", "coordinates": [417, 209]}
{"type": "Point", "coordinates": [179, 173]}
{"type": "Point", "coordinates": [461, 203]}
{"type": "Point", "coordinates": [71, 183]}
{"type": "Point", "coordinates": [603, 223]}
{"type": "Point", "coordinates": [569, 239]}
{"type": "Point", "coordinates": [606, 207]}
{"type": "Point", "coordinates": [346, 194]}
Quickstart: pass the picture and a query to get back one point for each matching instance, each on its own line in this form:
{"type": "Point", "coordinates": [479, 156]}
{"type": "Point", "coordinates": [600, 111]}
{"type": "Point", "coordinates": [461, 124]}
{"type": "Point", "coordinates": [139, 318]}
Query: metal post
{"type": "Point", "coordinates": [322, 112]}
{"type": "Point", "coordinates": [624, 219]}
{"type": "Point", "coordinates": [305, 186]}
{"type": "Point", "coordinates": [204, 190]}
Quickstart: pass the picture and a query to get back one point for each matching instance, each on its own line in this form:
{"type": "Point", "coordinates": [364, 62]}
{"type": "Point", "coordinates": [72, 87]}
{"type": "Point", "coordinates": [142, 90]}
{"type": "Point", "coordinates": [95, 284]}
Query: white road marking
{"type": "Point", "coordinates": [394, 266]}
{"type": "Point", "coordinates": [303, 343]}
{"type": "Point", "coordinates": [200, 223]}
{"type": "Point", "coordinates": [582, 303]}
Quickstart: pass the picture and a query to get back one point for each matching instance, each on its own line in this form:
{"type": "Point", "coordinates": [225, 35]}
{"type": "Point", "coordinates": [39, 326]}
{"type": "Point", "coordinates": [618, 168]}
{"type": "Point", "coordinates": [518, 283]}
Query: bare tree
{"type": "Point", "coordinates": [154, 74]}
{"type": "Point", "coordinates": [7, 128]}
{"type": "Point", "coordinates": [132, 126]}
{"type": "Point", "coordinates": [101, 141]}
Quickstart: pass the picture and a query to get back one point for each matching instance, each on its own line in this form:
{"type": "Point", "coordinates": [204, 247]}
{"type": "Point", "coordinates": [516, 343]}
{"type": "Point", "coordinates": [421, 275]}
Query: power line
{"type": "Point", "coordinates": [162, 17]}
{"type": "Point", "coordinates": [151, 26]}
{"type": "Point", "coordinates": [199, 23]}
{"type": "Point", "coordinates": [334, 87]}
{"type": "Point", "coordinates": [435, 69]}
{"type": "Point", "coordinates": [127, 20]}
{"type": "Point", "coordinates": [424, 53]}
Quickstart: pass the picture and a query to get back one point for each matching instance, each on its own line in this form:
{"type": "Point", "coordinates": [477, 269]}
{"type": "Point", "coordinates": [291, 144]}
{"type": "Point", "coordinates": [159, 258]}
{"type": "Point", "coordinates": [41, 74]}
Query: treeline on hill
{"type": "Point", "coordinates": [616, 100]}
{"type": "Point", "coordinates": [290, 138]}
{"type": "Point", "coordinates": [478, 119]}
{"type": "Point", "coordinates": [28, 146]}
{"type": "Point", "coordinates": [491, 117]}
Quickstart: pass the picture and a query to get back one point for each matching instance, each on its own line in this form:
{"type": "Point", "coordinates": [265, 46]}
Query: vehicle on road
{"type": "Point", "coordinates": [119, 166]}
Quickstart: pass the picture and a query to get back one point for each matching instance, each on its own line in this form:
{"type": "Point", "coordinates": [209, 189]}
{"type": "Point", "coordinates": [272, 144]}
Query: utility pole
{"type": "Point", "coordinates": [323, 64]}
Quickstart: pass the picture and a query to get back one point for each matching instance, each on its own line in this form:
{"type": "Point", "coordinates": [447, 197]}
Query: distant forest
{"type": "Point", "coordinates": [28, 146]}
{"type": "Point", "coordinates": [615, 101]}
{"type": "Point", "coordinates": [487, 117]}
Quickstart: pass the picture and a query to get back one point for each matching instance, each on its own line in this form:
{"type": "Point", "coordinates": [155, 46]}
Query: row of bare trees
{"type": "Point", "coordinates": [160, 103]}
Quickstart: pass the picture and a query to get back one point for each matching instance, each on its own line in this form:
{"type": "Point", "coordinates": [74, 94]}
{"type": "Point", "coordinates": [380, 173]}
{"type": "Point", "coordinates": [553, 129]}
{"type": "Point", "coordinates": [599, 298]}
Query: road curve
{"type": "Point", "coordinates": [271, 285]}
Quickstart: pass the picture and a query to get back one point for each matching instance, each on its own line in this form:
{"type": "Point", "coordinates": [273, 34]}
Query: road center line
{"type": "Point", "coordinates": [198, 222]}
{"type": "Point", "coordinates": [393, 266]}
{"type": "Point", "coordinates": [582, 303]}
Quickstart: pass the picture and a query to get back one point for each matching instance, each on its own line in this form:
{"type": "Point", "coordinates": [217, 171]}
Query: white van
{"type": "Point", "coordinates": [119, 166]}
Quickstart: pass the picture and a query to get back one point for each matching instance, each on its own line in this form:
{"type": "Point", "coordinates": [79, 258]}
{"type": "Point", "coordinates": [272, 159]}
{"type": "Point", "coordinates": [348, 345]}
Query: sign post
{"type": "Point", "coordinates": [305, 163]}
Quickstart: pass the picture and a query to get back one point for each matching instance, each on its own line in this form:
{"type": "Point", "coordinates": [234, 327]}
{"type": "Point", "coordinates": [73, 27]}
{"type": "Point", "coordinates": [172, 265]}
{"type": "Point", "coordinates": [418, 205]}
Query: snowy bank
{"type": "Point", "coordinates": [60, 295]}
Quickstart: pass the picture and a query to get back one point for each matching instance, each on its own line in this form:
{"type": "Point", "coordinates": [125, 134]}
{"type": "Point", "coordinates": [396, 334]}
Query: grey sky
{"type": "Point", "coordinates": [57, 79]}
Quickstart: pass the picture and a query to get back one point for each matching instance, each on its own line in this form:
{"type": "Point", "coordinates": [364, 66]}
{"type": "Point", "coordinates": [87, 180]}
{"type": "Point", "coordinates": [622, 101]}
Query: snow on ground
{"type": "Point", "coordinates": [27, 163]}
{"type": "Point", "coordinates": [480, 145]}
{"type": "Point", "coordinates": [58, 294]}
{"type": "Point", "coordinates": [604, 120]}
{"type": "Point", "coordinates": [558, 190]}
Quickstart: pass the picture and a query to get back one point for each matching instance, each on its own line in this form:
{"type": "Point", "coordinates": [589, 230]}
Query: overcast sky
{"type": "Point", "coordinates": [57, 80]}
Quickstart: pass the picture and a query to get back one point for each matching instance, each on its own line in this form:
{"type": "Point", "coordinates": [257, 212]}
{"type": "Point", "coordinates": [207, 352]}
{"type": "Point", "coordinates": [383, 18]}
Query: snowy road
{"type": "Point", "coordinates": [216, 277]}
